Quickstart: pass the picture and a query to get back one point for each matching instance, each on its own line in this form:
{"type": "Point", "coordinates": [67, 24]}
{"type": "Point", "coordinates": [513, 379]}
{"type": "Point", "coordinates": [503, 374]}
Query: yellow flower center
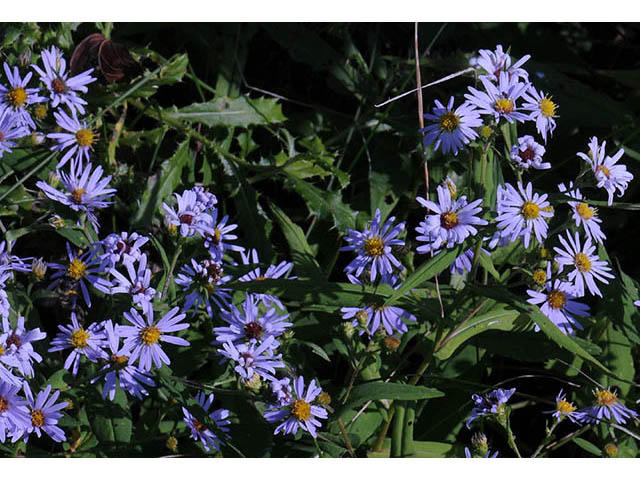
{"type": "Point", "coordinates": [563, 406]}
{"type": "Point", "coordinates": [76, 195]}
{"type": "Point", "coordinates": [217, 236]}
{"type": "Point", "coordinates": [585, 211]}
{"type": "Point", "coordinates": [40, 111]}
{"type": "Point", "coordinates": [77, 269]}
{"type": "Point", "coordinates": [79, 338]}
{"type": "Point", "coordinates": [582, 262]}
{"type": "Point", "coordinates": [485, 131]}
{"type": "Point", "coordinates": [119, 359]}
{"type": "Point", "coordinates": [374, 247]}
{"type": "Point", "coordinates": [449, 121]}
{"type": "Point", "coordinates": [604, 170]}
{"type": "Point", "coordinates": [530, 211]}
{"type": "Point", "coordinates": [453, 191]}
{"type": "Point", "coordinates": [150, 335]}
{"type": "Point", "coordinates": [301, 410]}
{"type": "Point", "coordinates": [540, 276]}
{"type": "Point", "coordinates": [4, 405]}
{"type": "Point", "coordinates": [547, 107]}
{"type": "Point", "coordinates": [84, 137]}
{"type": "Point", "coordinates": [504, 105]}
{"type": "Point", "coordinates": [37, 418]}
{"type": "Point", "coordinates": [448, 220]}
{"type": "Point", "coordinates": [17, 97]}
{"type": "Point", "coordinates": [557, 299]}
{"type": "Point", "coordinates": [605, 397]}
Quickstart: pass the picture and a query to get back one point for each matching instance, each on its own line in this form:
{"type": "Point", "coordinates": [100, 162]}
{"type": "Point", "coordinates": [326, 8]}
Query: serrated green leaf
{"type": "Point", "coordinates": [231, 112]}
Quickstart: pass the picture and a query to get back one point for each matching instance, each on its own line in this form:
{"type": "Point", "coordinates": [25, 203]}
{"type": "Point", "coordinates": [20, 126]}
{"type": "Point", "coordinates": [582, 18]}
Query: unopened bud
{"type": "Point", "coordinates": [480, 444]}
{"type": "Point", "coordinates": [254, 383]}
{"type": "Point", "coordinates": [391, 343]}
{"type": "Point", "coordinates": [172, 443]}
{"type": "Point", "coordinates": [56, 221]}
{"type": "Point", "coordinates": [324, 398]}
{"type": "Point", "coordinates": [611, 450]}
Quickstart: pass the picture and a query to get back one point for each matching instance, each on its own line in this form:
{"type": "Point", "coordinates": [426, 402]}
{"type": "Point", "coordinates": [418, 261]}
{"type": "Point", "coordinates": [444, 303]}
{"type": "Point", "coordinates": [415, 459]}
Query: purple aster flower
{"type": "Point", "coordinates": [138, 285]}
{"type": "Point", "coordinates": [253, 358]}
{"type": "Point", "coordinates": [200, 431]}
{"type": "Point", "coordinates": [494, 63]}
{"type": "Point", "coordinates": [45, 413]}
{"type": "Point", "coordinates": [125, 246]}
{"type": "Point", "coordinates": [452, 128]}
{"type": "Point", "coordinates": [189, 216]}
{"type": "Point", "coordinates": [499, 101]}
{"type": "Point", "coordinates": [85, 191]}
{"type": "Point", "coordinates": [207, 199]}
{"type": "Point", "coordinates": [299, 412]}
{"type": "Point", "coordinates": [10, 130]}
{"type": "Point", "coordinates": [78, 139]}
{"type": "Point", "coordinates": [464, 262]}
{"type": "Point", "coordinates": [528, 154]}
{"type": "Point", "coordinates": [217, 237]}
{"type": "Point", "coordinates": [14, 413]}
{"type": "Point", "coordinates": [5, 306]}
{"type": "Point", "coordinates": [87, 342]}
{"type": "Point", "coordinates": [144, 337]}
{"type": "Point", "coordinates": [272, 271]}
{"type": "Point", "coordinates": [558, 304]}
{"type": "Point", "coordinates": [467, 454]}
{"type": "Point", "coordinates": [10, 262]}
{"type": "Point", "coordinates": [587, 265]}
{"type": "Point", "coordinates": [17, 350]}
{"type": "Point", "coordinates": [203, 281]}
{"type": "Point", "coordinates": [282, 391]}
{"type": "Point", "coordinates": [584, 214]}
{"type": "Point", "coordinates": [452, 222]}
{"type": "Point", "coordinates": [490, 404]}
{"type": "Point", "coordinates": [521, 211]}
{"type": "Point", "coordinates": [249, 324]}
{"type": "Point", "coordinates": [542, 110]}
{"type": "Point", "coordinates": [609, 176]}
{"type": "Point", "coordinates": [82, 268]}
{"type": "Point", "coordinates": [607, 406]}
{"type": "Point", "coordinates": [17, 97]}
{"type": "Point", "coordinates": [62, 88]}
{"type": "Point", "coordinates": [118, 371]}
{"type": "Point", "coordinates": [564, 409]}
{"type": "Point", "coordinates": [373, 247]}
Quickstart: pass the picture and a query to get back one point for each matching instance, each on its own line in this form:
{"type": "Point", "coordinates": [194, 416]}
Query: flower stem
{"type": "Point", "coordinates": [172, 267]}
{"type": "Point", "coordinates": [546, 439]}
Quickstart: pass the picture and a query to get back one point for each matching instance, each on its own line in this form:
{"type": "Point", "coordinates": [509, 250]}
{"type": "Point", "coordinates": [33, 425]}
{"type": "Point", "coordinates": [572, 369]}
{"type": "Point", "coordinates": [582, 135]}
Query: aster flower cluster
{"type": "Point", "coordinates": [376, 262]}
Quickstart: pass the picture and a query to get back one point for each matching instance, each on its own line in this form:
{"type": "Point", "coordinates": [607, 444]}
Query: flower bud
{"type": "Point", "coordinates": [611, 450]}
{"type": "Point", "coordinates": [480, 444]}
{"type": "Point", "coordinates": [172, 443]}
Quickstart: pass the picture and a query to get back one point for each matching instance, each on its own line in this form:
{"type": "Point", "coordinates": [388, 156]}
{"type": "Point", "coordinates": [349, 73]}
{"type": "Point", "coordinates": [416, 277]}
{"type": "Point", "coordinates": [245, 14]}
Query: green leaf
{"type": "Point", "coordinates": [386, 390]}
{"type": "Point", "coordinates": [498, 319]}
{"type": "Point", "coordinates": [162, 185]}
{"type": "Point", "coordinates": [301, 254]}
{"type": "Point", "coordinates": [325, 204]}
{"type": "Point", "coordinates": [587, 446]}
{"type": "Point", "coordinates": [236, 112]}
{"type": "Point", "coordinates": [546, 325]}
{"type": "Point", "coordinates": [422, 450]}
{"type": "Point", "coordinates": [74, 236]}
{"type": "Point", "coordinates": [426, 271]}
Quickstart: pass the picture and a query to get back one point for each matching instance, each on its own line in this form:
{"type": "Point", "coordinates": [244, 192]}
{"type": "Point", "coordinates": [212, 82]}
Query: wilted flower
{"type": "Point", "coordinates": [203, 281]}
{"type": "Point", "coordinates": [273, 271]}
{"type": "Point", "coordinates": [528, 154]}
{"type": "Point", "coordinates": [498, 61]}
{"type": "Point", "coordinates": [9, 130]}
{"type": "Point", "coordinates": [253, 358]}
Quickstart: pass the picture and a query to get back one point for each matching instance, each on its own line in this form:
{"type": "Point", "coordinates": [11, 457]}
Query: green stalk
{"type": "Point", "coordinates": [396, 432]}
{"type": "Point", "coordinates": [172, 267]}
{"type": "Point", "coordinates": [408, 447]}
